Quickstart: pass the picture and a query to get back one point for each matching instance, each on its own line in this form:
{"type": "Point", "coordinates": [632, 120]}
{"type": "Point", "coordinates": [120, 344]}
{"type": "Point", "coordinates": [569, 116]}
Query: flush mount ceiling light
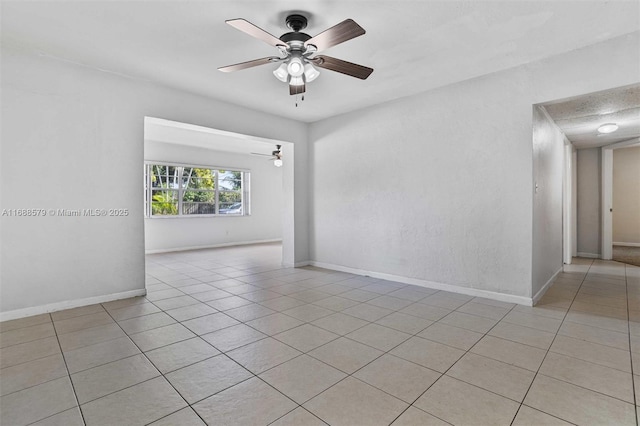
{"type": "Point", "coordinates": [608, 128]}
{"type": "Point", "coordinates": [297, 52]}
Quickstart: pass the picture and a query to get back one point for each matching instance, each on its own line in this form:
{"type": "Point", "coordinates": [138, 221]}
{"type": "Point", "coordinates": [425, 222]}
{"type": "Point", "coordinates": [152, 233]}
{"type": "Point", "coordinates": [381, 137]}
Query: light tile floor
{"type": "Point", "coordinates": [228, 337]}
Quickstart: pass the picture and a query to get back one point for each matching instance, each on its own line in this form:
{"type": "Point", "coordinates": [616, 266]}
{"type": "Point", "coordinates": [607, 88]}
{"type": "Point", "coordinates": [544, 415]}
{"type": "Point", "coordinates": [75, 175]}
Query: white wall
{"type": "Point", "coordinates": [574, 202]}
{"type": "Point", "coordinates": [72, 137]}
{"type": "Point", "coordinates": [432, 187]}
{"type": "Point", "coordinates": [626, 195]}
{"type": "Point", "coordinates": [548, 168]}
{"type": "Point", "coordinates": [589, 200]}
{"type": "Point", "coordinates": [264, 223]}
{"type": "Point", "coordinates": [437, 188]}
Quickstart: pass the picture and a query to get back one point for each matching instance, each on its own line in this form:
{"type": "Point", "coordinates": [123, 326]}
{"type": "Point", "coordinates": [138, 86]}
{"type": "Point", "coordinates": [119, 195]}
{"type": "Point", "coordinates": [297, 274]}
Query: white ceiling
{"type": "Point", "coordinates": [579, 118]}
{"type": "Point", "coordinates": [413, 46]}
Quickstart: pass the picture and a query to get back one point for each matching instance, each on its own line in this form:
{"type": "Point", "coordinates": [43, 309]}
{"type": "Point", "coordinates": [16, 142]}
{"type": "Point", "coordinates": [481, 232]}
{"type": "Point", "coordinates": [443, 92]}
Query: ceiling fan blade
{"type": "Point", "coordinates": [257, 32]}
{"type": "Point", "coordinates": [249, 64]}
{"type": "Point", "coordinates": [345, 30]}
{"type": "Point", "coordinates": [258, 153]}
{"type": "Point", "coordinates": [344, 67]}
{"type": "Point", "coordinates": [296, 89]}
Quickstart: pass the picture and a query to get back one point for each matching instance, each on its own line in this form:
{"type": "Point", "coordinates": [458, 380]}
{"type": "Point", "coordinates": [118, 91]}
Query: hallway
{"type": "Point", "coordinates": [626, 254]}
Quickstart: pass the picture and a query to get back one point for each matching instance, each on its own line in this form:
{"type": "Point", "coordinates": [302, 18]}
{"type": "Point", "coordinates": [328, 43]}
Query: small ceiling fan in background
{"type": "Point", "coordinates": [276, 156]}
{"type": "Point", "coordinates": [298, 51]}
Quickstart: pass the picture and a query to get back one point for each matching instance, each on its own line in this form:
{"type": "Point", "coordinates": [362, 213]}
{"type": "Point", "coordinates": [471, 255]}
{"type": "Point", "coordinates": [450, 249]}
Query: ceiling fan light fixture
{"type": "Point", "coordinates": [296, 81]}
{"type": "Point", "coordinates": [295, 67]}
{"type": "Point", "coordinates": [310, 73]}
{"type": "Point", "coordinates": [281, 73]}
{"type": "Point", "coordinates": [298, 65]}
{"type": "Point", "coordinates": [277, 162]}
{"type": "Point", "coordinates": [608, 128]}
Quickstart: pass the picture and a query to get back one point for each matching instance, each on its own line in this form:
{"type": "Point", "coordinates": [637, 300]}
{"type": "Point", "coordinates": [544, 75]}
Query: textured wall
{"type": "Point", "coordinates": [435, 187]}
{"type": "Point", "coordinates": [438, 187]}
{"type": "Point", "coordinates": [548, 168]}
{"type": "Point", "coordinates": [73, 137]}
{"type": "Point", "coordinates": [626, 195]}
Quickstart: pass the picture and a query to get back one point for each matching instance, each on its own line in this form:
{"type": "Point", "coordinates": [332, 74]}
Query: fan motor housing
{"type": "Point", "coordinates": [296, 22]}
{"type": "Point", "coordinates": [295, 36]}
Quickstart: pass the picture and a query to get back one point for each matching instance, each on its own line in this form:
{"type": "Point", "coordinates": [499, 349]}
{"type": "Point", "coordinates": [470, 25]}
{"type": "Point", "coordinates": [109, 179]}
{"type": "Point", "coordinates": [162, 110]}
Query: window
{"type": "Point", "coordinates": [172, 190]}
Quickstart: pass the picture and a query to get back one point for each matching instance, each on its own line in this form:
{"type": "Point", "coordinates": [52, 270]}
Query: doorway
{"type": "Point", "coordinates": [621, 202]}
{"type": "Point", "coordinates": [596, 125]}
{"type": "Point", "coordinates": [261, 212]}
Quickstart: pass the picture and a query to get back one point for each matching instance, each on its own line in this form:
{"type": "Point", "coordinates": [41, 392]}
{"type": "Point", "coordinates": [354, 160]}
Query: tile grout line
{"type": "Point", "coordinates": [256, 375]}
{"type": "Point", "coordinates": [369, 322]}
{"type": "Point", "coordinates": [73, 388]}
{"type": "Point", "coordinates": [413, 335]}
{"type": "Point", "coordinates": [319, 288]}
{"type": "Point", "coordinates": [452, 365]}
{"type": "Point", "coordinates": [31, 360]}
{"type": "Point", "coordinates": [62, 354]}
{"type": "Point", "coordinates": [48, 381]}
{"type": "Point", "coordinates": [347, 374]}
{"type": "Point", "coordinates": [633, 379]}
{"type": "Point", "coordinates": [161, 374]}
{"type": "Point", "coordinates": [40, 358]}
{"type": "Point", "coordinates": [253, 375]}
{"type": "Point", "coordinates": [52, 322]}
{"type": "Point", "coordinates": [297, 356]}
{"type": "Point", "coordinates": [549, 349]}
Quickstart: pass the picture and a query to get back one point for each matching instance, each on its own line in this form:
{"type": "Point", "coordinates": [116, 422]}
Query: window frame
{"type": "Point", "coordinates": [245, 179]}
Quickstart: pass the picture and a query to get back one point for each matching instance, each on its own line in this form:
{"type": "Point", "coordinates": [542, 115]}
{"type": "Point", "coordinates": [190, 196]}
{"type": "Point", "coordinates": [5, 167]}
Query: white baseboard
{"type": "Point", "coordinates": [545, 287]}
{"type": "Point", "coordinates": [68, 304]}
{"type": "Point", "coordinates": [588, 255]}
{"type": "Point", "coordinates": [502, 297]}
{"type": "Point", "coordinates": [240, 243]}
{"type": "Point", "coordinates": [626, 244]}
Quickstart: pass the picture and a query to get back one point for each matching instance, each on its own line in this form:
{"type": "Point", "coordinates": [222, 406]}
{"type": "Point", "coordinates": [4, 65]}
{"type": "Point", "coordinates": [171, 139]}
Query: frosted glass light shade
{"type": "Point", "coordinates": [295, 67]}
{"type": "Point", "coordinates": [310, 73]}
{"type": "Point", "coordinates": [281, 73]}
{"type": "Point", "coordinates": [296, 81]}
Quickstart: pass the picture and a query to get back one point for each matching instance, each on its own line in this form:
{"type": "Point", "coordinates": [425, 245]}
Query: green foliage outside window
{"type": "Point", "coordinates": [196, 189]}
{"type": "Point", "coordinates": [164, 203]}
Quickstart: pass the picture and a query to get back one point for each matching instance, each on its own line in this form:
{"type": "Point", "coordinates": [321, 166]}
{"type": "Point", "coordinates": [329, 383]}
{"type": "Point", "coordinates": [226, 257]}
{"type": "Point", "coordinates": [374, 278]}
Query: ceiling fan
{"type": "Point", "coordinates": [276, 156]}
{"type": "Point", "coordinates": [299, 51]}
